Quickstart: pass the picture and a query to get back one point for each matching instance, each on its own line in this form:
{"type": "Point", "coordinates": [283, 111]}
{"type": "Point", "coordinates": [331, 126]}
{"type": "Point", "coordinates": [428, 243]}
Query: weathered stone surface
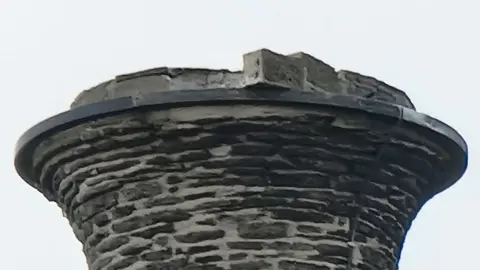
{"type": "Point", "coordinates": [241, 187]}
{"type": "Point", "coordinates": [287, 196]}
{"type": "Point", "coordinates": [298, 71]}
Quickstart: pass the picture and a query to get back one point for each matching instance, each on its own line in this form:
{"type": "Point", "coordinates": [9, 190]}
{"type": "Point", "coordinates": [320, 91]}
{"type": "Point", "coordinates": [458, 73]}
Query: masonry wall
{"type": "Point", "coordinates": [238, 187]}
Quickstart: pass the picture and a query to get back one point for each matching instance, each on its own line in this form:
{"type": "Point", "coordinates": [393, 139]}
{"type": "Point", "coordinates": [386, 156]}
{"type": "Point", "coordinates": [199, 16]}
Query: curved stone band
{"type": "Point", "coordinates": [441, 132]}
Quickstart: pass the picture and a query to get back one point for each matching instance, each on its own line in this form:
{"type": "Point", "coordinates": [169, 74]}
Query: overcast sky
{"type": "Point", "coordinates": [51, 50]}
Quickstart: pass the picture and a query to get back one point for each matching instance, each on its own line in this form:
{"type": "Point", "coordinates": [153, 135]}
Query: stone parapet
{"type": "Point", "coordinates": [262, 68]}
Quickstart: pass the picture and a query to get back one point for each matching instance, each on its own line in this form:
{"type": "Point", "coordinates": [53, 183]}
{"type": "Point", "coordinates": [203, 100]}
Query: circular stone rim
{"type": "Point", "coordinates": [252, 95]}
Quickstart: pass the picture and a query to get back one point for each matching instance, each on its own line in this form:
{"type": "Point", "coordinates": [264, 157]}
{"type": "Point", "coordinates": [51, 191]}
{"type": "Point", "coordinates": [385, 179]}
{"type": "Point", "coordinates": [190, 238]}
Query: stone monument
{"type": "Point", "coordinates": [287, 164]}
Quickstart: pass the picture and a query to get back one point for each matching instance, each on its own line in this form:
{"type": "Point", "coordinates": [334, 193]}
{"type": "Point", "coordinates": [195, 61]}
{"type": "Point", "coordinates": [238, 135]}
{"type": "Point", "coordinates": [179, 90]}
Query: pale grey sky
{"type": "Point", "coordinates": [50, 50]}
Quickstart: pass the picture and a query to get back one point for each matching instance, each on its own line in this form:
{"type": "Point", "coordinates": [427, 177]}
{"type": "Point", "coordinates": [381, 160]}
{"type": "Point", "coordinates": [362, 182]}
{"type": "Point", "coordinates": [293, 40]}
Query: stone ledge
{"type": "Point", "coordinates": [298, 71]}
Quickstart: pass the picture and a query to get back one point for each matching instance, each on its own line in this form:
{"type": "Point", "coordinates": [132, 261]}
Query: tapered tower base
{"type": "Point", "coordinates": [286, 165]}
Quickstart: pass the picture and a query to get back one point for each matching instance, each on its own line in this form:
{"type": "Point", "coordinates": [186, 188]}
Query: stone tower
{"type": "Point", "coordinates": [287, 164]}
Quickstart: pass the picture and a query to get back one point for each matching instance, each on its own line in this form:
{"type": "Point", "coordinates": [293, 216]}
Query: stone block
{"type": "Point", "coordinates": [319, 75]}
{"type": "Point", "coordinates": [266, 68]}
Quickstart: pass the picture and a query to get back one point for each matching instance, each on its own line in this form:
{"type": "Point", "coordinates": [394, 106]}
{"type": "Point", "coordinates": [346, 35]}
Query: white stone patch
{"type": "Point", "coordinates": [402, 169]}
{"type": "Point", "coordinates": [346, 123]}
{"type": "Point", "coordinates": [221, 151]}
{"type": "Point", "coordinates": [356, 254]}
{"type": "Point", "coordinates": [384, 202]}
{"type": "Point", "coordinates": [202, 170]}
{"type": "Point", "coordinates": [191, 114]}
{"type": "Point", "coordinates": [417, 146]}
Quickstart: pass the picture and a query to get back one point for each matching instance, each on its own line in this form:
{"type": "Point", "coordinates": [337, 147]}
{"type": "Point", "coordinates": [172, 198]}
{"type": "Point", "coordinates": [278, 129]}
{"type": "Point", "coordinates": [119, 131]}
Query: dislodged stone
{"type": "Point", "coordinates": [320, 76]}
{"type": "Point", "coordinates": [266, 68]}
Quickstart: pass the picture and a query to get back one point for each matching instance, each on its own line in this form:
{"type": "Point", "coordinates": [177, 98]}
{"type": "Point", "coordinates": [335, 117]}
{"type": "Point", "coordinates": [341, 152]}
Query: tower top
{"type": "Point", "coordinates": [261, 69]}
{"type": "Point", "coordinates": [267, 77]}
{"type": "Point", "coordinates": [287, 164]}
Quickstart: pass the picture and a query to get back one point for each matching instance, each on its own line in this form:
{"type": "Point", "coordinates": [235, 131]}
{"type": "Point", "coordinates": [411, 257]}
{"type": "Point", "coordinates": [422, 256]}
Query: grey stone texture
{"type": "Point", "coordinates": [240, 187]}
{"type": "Point", "coordinates": [298, 71]}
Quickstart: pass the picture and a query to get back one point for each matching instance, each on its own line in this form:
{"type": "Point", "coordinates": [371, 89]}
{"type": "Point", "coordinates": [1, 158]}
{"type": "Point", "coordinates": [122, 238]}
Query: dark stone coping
{"type": "Point", "coordinates": [434, 129]}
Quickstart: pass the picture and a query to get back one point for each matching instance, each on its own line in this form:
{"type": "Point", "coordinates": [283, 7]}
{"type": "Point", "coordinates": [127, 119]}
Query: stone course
{"type": "Point", "coordinates": [240, 187]}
